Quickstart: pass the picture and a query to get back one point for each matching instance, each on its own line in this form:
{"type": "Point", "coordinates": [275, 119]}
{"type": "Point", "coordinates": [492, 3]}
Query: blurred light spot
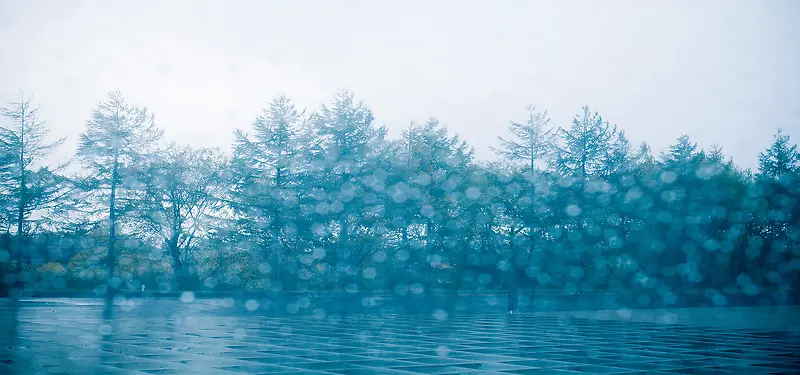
{"type": "Point", "coordinates": [251, 305]}
{"type": "Point", "coordinates": [573, 210]}
{"type": "Point", "coordinates": [187, 297]}
{"type": "Point", "coordinates": [318, 314]}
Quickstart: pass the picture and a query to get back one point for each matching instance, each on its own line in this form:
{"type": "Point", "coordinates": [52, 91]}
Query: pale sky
{"type": "Point", "coordinates": [724, 71]}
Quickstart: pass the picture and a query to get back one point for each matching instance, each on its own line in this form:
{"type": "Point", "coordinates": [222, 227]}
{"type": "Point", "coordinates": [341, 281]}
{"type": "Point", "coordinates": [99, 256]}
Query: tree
{"type": "Point", "coordinates": [777, 213]}
{"type": "Point", "coordinates": [582, 160]}
{"type": "Point", "coordinates": [618, 158]}
{"type": "Point", "coordinates": [431, 168]}
{"type": "Point", "coordinates": [347, 147]}
{"type": "Point", "coordinates": [585, 146]}
{"type": "Point", "coordinates": [116, 140]}
{"type": "Point", "coordinates": [532, 141]}
{"type": "Point", "coordinates": [6, 185]}
{"type": "Point", "coordinates": [644, 155]}
{"type": "Point", "coordinates": [534, 145]}
{"type": "Point", "coordinates": [781, 160]}
{"type": "Point", "coordinates": [680, 184]}
{"type": "Point", "coordinates": [24, 144]}
{"type": "Point", "coordinates": [266, 172]}
{"type": "Point", "coordinates": [325, 201]}
{"type": "Point", "coordinates": [683, 157]}
{"type": "Point", "coordinates": [182, 187]}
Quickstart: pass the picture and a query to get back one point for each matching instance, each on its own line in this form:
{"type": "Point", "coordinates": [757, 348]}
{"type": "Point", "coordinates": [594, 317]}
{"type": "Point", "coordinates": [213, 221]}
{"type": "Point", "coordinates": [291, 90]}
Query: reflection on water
{"type": "Point", "coordinates": [217, 336]}
{"type": "Point", "coordinates": [9, 331]}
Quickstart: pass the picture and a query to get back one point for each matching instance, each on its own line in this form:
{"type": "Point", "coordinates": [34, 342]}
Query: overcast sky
{"type": "Point", "coordinates": [725, 72]}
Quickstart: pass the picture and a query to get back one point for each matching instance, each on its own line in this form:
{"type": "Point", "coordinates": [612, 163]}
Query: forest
{"type": "Point", "coordinates": [324, 200]}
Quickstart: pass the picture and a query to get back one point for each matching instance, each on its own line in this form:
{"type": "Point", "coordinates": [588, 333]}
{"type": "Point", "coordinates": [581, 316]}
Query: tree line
{"type": "Point", "coordinates": [324, 200]}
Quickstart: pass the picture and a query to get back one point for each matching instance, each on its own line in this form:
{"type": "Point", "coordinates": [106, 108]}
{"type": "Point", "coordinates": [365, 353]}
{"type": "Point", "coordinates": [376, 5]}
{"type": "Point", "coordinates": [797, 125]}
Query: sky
{"type": "Point", "coordinates": [725, 72]}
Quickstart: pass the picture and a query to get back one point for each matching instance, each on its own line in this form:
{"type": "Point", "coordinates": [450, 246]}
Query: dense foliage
{"type": "Point", "coordinates": [323, 200]}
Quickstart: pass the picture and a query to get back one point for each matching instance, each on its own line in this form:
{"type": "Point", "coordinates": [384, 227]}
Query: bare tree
{"type": "Point", "coordinates": [182, 187]}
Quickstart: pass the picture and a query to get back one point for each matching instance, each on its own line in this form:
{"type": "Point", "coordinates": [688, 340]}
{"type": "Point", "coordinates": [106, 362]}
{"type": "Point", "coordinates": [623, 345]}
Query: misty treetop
{"type": "Point", "coordinates": [323, 200]}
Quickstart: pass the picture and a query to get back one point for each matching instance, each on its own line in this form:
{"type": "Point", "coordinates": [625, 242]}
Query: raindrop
{"type": "Point", "coordinates": [473, 193]}
{"type": "Point", "coordinates": [106, 329]}
{"type": "Point", "coordinates": [187, 297]}
{"type": "Point", "coordinates": [251, 305]}
{"type": "Point", "coordinates": [318, 314]}
{"type": "Point", "coordinates": [573, 210]}
{"type": "Point", "coordinates": [369, 273]}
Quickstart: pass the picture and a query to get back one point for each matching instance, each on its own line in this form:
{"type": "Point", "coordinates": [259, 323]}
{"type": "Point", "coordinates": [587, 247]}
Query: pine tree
{"type": "Point", "coordinates": [267, 167]}
{"type": "Point", "coordinates": [644, 155]}
{"type": "Point", "coordinates": [781, 160]}
{"type": "Point", "coordinates": [532, 147]}
{"type": "Point", "coordinates": [28, 191]}
{"type": "Point", "coordinates": [431, 167]}
{"type": "Point", "coordinates": [777, 214]}
{"type": "Point", "coordinates": [115, 143]}
{"type": "Point", "coordinates": [6, 184]}
{"type": "Point", "coordinates": [618, 158]}
{"type": "Point", "coordinates": [347, 142]}
{"type": "Point", "coordinates": [585, 145]}
{"type": "Point", "coordinates": [532, 142]}
{"type": "Point", "coordinates": [681, 181]}
{"type": "Point", "coordinates": [582, 160]}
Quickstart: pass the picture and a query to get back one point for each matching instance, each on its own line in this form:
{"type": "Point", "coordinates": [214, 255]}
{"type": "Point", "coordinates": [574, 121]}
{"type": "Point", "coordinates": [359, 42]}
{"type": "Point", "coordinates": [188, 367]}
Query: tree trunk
{"type": "Point", "coordinates": [404, 264]}
{"type": "Point", "coordinates": [276, 229]}
{"type": "Point", "coordinates": [344, 258]}
{"type": "Point", "coordinates": [111, 259]}
{"type": "Point", "coordinates": [178, 268]}
{"type": "Point", "coordinates": [23, 192]}
{"type": "Point", "coordinates": [276, 247]}
{"type": "Point", "coordinates": [429, 249]}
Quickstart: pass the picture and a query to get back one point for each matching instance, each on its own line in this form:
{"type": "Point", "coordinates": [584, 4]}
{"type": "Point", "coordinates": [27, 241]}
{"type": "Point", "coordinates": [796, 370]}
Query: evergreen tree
{"type": "Point", "coordinates": [777, 216]}
{"type": "Point", "coordinates": [781, 160]}
{"type": "Point", "coordinates": [432, 168]}
{"type": "Point", "coordinates": [321, 201]}
{"type": "Point", "coordinates": [27, 190]}
{"type": "Point", "coordinates": [683, 157]}
{"type": "Point", "coordinates": [618, 158]}
{"type": "Point", "coordinates": [681, 181]}
{"type": "Point", "coordinates": [267, 167]}
{"type": "Point", "coordinates": [582, 160]}
{"type": "Point", "coordinates": [532, 142]}
{"type": "Point", "coordinates": [584, 146]}
{"type": "Point", "coordinates": [347, 140]}
{"type": "Point", "coordinates": [115, 143]}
